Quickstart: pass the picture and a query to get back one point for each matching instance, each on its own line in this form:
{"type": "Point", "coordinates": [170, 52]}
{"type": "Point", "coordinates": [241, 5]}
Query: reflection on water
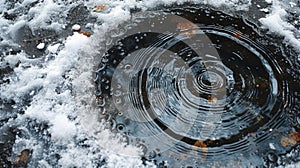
{"type": "Point", "coordinates": [199, 90]}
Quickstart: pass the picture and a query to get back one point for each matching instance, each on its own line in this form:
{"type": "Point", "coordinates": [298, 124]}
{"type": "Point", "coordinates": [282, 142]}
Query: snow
{"type": "Point", "coordinates": [276, 23]}
{"type": "Point", "coordinates": [269, 1]}
{"type": "Point", "coordinates": [53, 48]}
{"type": "Point", "coordinates": [41, 46]}
{"type": "Point", "coordinates": [76, 27]}
{"type": "Point", "coordinates": [43, 13]}
{"type": "Point", "coordinates": [116, 15]}
{"type": "Point", "coordinates": [69, 112]}
{"type": "Point", "coordinates": [63, 128]}
{"type": "Point", "coordinates": [266, 10]}
{"type": "Point", "coordinates": [271, 145]}
{"type": "Point", "coordinates": [13, 29]}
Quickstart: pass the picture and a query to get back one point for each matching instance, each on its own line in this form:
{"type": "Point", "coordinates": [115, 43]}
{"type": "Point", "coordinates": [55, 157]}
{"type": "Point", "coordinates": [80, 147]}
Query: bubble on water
{"type": "Point", "coordinates": [121, 127]}
{"type": "Point", "coordinates": [100, 102]}
{"type": "Point", "coordinates": [272, 157]}
{"type": "Point", "coordinates": [118, 93]}
{"type": "Point", "coordinates": [127, 67]}
{"type": "Point", "coordinates": [152, 154]}
{"type": "Point", "coordinates": [142, 147]}
{"type": "Point", "coordinates": [118, 101]}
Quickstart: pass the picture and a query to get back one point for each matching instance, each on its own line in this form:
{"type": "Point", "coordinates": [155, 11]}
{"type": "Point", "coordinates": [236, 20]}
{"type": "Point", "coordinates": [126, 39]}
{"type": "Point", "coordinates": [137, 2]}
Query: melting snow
{"type": "Point", "coordinates": [277, 23]}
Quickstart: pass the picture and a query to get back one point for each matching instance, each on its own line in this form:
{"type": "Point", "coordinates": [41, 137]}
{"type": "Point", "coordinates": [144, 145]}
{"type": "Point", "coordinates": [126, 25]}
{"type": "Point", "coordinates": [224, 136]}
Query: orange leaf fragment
{"type": "Point", "coordinates": [185, 25]}
{"type": "Point", "coordinates": [204, 148]}
{"type": "Point", "coordinates": [187, 28]}
{"type": "Point", "coordinates": [88, 34]}
{"type": "Point", "coordinates": [286, 141]}
{"type": "Point", "coordinates": [200, 144]}
{"type": "Point", "coordinates": [238, 35]}
{"type": "Point", "coordinates": [23, 158]}
{"type": "Point", "coordinates": [212, 99]}
{"type": "Point", "coordinates": [295, 136]}
{"type": "Point", "coordinates": [98, 8]}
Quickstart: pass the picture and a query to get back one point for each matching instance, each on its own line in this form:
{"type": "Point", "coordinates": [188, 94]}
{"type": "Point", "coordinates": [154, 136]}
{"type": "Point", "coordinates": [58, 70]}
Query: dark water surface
{"type": "Point", "coordinates": [206, 90]}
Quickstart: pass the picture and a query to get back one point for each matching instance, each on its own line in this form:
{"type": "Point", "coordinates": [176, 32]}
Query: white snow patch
{"type": "Point", "coordinates": [269, 1]}
{"type": "Point", "coordinates": [266, 10]}
{"type": "Point", "coordinates": [53, 48]}
{"type": "Point", "coordinates": [272, 146]}
{"type": "Point", "coordinates": [44, 13]}
{"type": "Point", "coordinates": [13, 29]}
{"type": "Point", "coordinates": [76, 27]}
{"type": "Point", "coordinates": [117, 15]}
{"type": "Point", "coordinates": [41, 46]}
{"type": "Point", "coordinates": [276, 23]}
{"type": "Point", "coordinates": [62, 128]}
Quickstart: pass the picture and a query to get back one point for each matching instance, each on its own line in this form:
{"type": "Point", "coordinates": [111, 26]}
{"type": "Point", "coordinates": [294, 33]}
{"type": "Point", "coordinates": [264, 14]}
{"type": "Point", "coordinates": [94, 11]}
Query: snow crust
{"type": "Point", "coordinates": [276, 22]}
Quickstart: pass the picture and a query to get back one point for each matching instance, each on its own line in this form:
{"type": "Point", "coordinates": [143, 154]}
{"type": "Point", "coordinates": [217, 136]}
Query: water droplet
{"type": "Point", "coordinates": [120, 127]}
{"type": "Point", "coordinates": [272, 157]}
{"type": "Point", "coordinates": [298, 120]}
{"type": "Point", "coordinates": [118, 101]}
{"type": "Point", "coordinates": [142, 147]}
{"type": "Point", "coordinates": [128, 67]}
{"type": "Point", "coordinates": [100, 102]}
{"type": "Point", "coordinates": [105, 60]}
{"type": "Point", "coordinates": [119, 86]}
{"type": "Point", "coordinates": [152, 154]}
{"type": "Point", "coordinates": [98, 92]}
{"type": "Point", "coordinates": [117, 93]}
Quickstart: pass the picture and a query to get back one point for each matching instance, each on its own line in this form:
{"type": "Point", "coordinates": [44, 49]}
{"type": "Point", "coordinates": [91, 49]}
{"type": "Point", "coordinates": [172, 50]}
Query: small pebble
{"type": "Point", "coordinates": [40, 46]}
{"type": "Point", "coordinates": [76, 27]}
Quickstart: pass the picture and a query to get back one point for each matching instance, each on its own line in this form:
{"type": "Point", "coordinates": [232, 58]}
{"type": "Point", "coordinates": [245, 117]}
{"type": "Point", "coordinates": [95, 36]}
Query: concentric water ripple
{"type": "Point", "coordinates": [195, 87]}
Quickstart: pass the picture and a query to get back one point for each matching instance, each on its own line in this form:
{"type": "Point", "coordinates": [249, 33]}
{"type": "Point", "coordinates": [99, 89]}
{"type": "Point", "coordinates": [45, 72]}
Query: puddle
{"type": "Point", "coordinates": [199, 87]}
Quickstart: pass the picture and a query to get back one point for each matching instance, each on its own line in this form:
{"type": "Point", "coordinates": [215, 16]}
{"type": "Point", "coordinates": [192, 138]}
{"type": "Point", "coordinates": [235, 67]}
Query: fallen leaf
{"type": "Point", "coordinates": [212, 99]}
{"type": "Point", "coordinates": [23, 158]}
{"type": "Point", "coordinates": [88, 34]}
{"type": "Point", "coordinates": [187, 28]}
{"type": "Point", "coordinates": [200, 144]}
{"type": "Point", "coordinates": [237, 35]}
{"type": "Point", "coordinates": [295, 136]}
{"type": "Point", "coordinates": [286, 141]}
{"type": "Point", "coordinates": [98, 8]}
{"type": "Point", "coordinates": [204, 148]}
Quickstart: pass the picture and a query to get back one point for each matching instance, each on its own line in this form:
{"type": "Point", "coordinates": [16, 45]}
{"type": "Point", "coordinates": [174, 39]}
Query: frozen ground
{"type": "Point", "coordinates": [47, 99]}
